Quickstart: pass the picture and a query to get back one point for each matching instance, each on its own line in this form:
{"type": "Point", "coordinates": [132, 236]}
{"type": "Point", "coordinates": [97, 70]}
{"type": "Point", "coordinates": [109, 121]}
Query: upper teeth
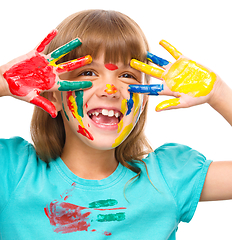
{"type": "Point", "coordinates": [105, 112]}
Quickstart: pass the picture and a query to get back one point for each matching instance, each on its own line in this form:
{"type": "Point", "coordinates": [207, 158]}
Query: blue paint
{"type": "Point", "coordinates": [157, 60]}
{"type": "Point", "coordinates": [130, 104]}
{"type": "Point", "coordinates": [153, 89]}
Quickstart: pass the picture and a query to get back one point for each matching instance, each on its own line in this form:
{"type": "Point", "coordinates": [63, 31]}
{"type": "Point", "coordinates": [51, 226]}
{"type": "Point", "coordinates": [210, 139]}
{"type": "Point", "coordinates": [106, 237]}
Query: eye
{"type": "Point", "coordinates": [88, 73]}
{"type": "Point", "coordinates": [127, 75]}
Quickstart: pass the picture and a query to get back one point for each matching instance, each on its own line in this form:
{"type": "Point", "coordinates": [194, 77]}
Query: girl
{"type": "Point", "coordinates": [91, 173]}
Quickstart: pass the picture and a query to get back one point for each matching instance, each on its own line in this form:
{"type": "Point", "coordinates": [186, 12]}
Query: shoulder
{"type": "Point", "coordinates": [184, 170]}
{"type": "Point", "coordinates": [15, 153]}
{"type": "Point", "coordinates": [174, 155]}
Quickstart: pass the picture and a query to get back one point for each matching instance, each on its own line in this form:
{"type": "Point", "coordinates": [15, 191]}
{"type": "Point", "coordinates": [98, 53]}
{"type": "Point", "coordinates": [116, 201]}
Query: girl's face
{"type": "Point", "coordinates": [104, 115]}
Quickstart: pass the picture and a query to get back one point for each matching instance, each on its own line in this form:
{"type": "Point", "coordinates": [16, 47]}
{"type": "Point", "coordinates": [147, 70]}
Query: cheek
{"type": "Point", "coordinates": [131, 108]}
{"type": "Point", "coordinates": [74, 106]}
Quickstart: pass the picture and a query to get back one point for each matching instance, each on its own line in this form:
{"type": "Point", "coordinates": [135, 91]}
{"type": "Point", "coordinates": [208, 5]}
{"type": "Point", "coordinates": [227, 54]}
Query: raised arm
{"type": "Point", "coordinates": [28, 76]}
{"type": "Point", "coordinates": [191, 84]}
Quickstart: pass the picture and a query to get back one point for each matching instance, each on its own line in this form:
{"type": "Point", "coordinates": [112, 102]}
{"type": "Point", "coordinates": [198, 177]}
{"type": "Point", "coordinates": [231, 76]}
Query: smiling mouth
{"type": "Point", "coordinates": [105, 116]}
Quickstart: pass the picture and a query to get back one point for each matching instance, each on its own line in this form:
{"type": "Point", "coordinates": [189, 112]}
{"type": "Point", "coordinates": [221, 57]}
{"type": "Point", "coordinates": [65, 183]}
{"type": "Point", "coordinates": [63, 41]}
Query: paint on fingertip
{"type": "Point", "coordinates": [111, 66]}
{"type": "Point", "coordinates": [46, 40]}
{"type": "Point", "coordinates": [157, 60]}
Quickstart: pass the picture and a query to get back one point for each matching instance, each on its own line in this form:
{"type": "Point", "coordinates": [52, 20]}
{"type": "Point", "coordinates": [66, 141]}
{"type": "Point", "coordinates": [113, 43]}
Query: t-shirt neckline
{"type": "Point", "coordinates": [70, 176]}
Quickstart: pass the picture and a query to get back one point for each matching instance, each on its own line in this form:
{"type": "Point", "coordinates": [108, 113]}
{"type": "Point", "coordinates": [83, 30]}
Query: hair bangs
{"type": "Point", "coordinates": [108, 32]}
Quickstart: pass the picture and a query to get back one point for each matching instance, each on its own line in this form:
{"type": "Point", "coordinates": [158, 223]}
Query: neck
{"type": "Point", "coordinates": [86, 162]}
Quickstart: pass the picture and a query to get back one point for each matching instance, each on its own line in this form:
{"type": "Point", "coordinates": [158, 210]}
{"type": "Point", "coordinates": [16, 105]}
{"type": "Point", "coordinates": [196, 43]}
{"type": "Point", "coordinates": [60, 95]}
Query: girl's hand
{"type": "Point", "coordinates": [189, 82]}
{"type": "Point", "coordinates": [28, 76]}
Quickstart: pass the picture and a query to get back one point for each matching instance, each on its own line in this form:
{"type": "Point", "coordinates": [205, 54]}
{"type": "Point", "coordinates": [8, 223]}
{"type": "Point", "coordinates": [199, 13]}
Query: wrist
{"type": "Point", "coordinates": [3, 84]}
{"type": "Point", "coordinates": [221, 100]}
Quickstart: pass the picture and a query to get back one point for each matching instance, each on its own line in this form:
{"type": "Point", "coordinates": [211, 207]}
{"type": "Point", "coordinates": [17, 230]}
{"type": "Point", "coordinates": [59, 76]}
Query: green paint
{"type": "Point", "coordinates": [103, 203]}
{"type": "Point", "coordinates": [63, 107]}
{"type": "Point", "coordinates": [66, 48]}
{"type": "Point", "coordinates": [111, 217]}
{"type": "Point", "coordinates": [73, 86]}
{"type": "Point", "coordinates": [79, 102]}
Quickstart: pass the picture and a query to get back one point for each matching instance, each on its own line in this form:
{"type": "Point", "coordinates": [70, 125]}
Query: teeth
{"type": "Point", "coordinates": [105, 112]}
{"type": "Point", "coordinates": [111, 113]}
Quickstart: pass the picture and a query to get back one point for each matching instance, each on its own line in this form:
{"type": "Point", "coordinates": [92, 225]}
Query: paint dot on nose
{"type": "Point", "coordinates": [111, 66]}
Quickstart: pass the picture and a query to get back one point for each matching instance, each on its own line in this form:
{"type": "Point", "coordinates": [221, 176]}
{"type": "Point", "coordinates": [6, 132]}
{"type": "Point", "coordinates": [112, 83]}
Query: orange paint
{"type": "Point", "coordinates": [110, 89]}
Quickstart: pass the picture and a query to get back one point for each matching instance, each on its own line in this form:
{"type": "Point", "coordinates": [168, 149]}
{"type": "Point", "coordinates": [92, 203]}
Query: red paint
{"type": "Point", "coordinates": [30, 74]}
{"type": "Point", "coordinates": [111, 66]}
{"type": "Point", "coordinates": [67, 217]}
{"type": "Point", "coordinates": [111, 89]}
{"type": "Point", "coordinates": [44, 104]}
{"type": "Point", "coordinates": [107, 233]}
{"type": "Point", "coordinates": [72, 65]}
{"type": "Point", "coordinates": [108, 209]}
{"type": "Point", "coordinates": [85, 132]}
{"type": "Point", "coordinates": [46, 40]}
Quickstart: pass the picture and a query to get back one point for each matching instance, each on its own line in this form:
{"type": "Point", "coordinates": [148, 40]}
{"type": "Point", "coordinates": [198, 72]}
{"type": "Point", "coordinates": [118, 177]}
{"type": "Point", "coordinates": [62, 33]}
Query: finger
{"type": "Point", "coordinates": [154, 89]}
{"type": "Point", "coordinates": [47, 40]}
{"type": "Point", "coordinates": [45, 105]}
{"type": "Point", "coordinates": [73, 86]}
{"type": "Point", "coordinates": [143, 67]}
{"type": "Point", "coordinates": [168, 104]}
{"type": "Point", "coordinates": [63, 50]}
{"type": "Point", "coordinates": [74, 64]}
{"type": "Point", "coordinates": [172, 50]}
{"type": "Point", "coordinates": [157, 60]}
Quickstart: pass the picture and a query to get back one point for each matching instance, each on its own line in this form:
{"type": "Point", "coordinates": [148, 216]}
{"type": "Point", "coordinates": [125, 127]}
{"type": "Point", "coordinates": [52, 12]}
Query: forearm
{"type": "Point", "coordinates": [222, 101]}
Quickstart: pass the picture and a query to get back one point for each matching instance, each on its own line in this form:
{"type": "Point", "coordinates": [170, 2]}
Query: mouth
{"type": "Point", "coordinates": [105, 117]}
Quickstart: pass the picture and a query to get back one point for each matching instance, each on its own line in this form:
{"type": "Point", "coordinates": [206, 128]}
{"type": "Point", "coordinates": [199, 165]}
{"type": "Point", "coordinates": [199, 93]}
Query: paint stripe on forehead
{"type": "Point", "coordinates": [111, 66]}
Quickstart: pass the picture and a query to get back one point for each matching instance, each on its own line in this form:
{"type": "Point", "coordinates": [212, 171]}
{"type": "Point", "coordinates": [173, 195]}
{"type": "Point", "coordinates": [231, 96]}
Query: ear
{"type": "Point", "coordinates": [55, 98]}
{"type": "Point", "coordinates": [145, 99]}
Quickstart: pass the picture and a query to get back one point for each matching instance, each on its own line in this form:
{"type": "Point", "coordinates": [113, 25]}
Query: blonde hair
{"type": "Point", "coordinates": [121, 39]}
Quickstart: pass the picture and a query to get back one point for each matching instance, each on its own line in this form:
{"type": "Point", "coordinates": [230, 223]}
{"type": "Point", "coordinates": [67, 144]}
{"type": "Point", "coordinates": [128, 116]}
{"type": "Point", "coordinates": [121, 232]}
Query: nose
{"type": "Point", "coordinates": [108, 90]}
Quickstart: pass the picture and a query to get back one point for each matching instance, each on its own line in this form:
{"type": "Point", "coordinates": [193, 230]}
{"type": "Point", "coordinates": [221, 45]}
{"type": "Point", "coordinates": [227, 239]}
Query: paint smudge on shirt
{"type": "Point", "coordinates": [67, 217]}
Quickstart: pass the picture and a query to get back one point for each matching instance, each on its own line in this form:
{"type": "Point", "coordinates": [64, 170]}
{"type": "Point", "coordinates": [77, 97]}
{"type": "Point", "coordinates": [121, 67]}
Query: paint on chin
{"type": "Point", "coordinates": [111, 66]}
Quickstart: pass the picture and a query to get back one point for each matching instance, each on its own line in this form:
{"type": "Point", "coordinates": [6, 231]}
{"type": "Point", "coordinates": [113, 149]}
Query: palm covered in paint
{"type": "Point", "coordinates": [189, 82]}
{"type": "Point", "coordinates": [30, 75]}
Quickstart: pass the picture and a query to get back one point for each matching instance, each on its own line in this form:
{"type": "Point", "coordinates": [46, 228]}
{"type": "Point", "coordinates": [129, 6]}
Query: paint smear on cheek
{"type": "Point", "coordinates": [111, 66]}
{"type": "Point", "coordinates": [76, 108]}
{"type": "Point", "coordinates": [123, 135]}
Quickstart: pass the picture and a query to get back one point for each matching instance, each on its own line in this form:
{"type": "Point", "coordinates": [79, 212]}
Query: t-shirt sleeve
{"type": "Point", "coordinates": [184, 171]}
{"type": "Point", "coordinates": [13, 161]}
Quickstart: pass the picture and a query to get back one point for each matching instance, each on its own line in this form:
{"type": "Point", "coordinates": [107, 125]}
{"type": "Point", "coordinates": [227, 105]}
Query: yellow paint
{"type": "Point", "coordinates": [137, 102]}
{"type": "Point", "coordinates": [167, 103]}
{"type": "Point", "coordinates": [74, 110]}
{"type": "Point", "coordinates": [122, 136]}
{"type": "Point", "coordinates": [124, 106]}
{"type": "Point", "coordinates": [172, 50]}
{"type": "Point", "coordinates": [53, 62]}
{"type": "Point", "coordinates": [143, 67]}
{"type": "Point", "coordinates": [120, 126]}
{"type": "Point", "coordinates": [110, 89]}
{"type": "Point", "coordinates": [186, 76]}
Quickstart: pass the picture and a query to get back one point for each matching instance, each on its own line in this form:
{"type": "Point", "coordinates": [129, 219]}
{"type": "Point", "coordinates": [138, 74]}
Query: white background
{"type": "Point", "coordinates": [200, 29]}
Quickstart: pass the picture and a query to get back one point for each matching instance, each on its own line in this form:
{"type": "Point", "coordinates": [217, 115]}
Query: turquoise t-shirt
{"type": "Point", "coordinates": [47, 201]}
